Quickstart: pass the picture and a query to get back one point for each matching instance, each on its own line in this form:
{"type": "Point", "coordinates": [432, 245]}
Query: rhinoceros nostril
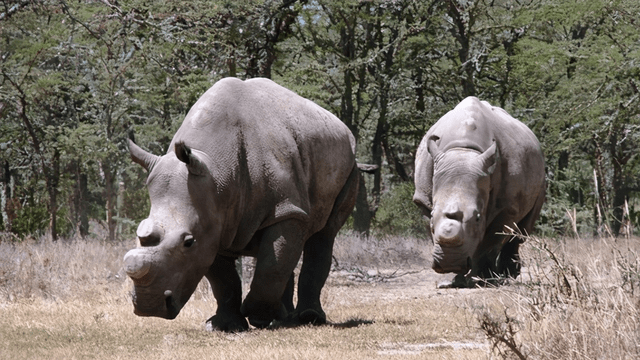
{"type": "Point", "coordinates": [454, 215]}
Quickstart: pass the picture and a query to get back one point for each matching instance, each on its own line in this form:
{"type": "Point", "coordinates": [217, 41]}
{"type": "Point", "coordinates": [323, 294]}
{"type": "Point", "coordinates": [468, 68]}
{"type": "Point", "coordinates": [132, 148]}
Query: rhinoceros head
{"type": "Point", "coordinates": [461, 188]}
{"type": "Point", "coordinates": [176, 248]}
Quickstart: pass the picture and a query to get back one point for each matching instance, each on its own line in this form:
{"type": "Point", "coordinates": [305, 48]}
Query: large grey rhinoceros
{"type": "Point", "coordinates": [254, 170]}
{"type": "Point", "coordinates": [478, 170]}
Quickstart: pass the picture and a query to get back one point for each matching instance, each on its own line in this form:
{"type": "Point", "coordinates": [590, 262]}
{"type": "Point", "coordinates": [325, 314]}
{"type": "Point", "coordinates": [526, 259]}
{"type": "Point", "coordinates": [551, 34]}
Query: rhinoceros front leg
{"type": "Point", "coordinates": [227, 289]}
{"type": "Point", "coordinates": [501, 259]}
{"type": "Point", "coordinates": [279, 252]}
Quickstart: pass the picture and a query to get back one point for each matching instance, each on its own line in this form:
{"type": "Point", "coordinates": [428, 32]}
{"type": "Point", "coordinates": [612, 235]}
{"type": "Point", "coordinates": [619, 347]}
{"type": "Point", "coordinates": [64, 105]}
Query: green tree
{"type": "Point", "coordinates": [37, 94]}
{"type": "Point", "coordinates": [580, 90]}
{"type": "Point", "coordinates": [351, 58]}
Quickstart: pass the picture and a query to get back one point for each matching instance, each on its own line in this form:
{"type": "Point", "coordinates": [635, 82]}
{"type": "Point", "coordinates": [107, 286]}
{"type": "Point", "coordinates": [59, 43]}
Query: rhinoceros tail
{"type": "Point", "coordinates": [367, 168]}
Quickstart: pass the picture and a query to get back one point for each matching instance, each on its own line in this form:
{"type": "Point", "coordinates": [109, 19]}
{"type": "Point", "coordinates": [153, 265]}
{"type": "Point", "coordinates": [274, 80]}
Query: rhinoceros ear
{"type": "Point", "coordinates": [193, 161]}
{"type": "Point", "coordinates": [489, 159]}
{"type": "Point", "coordinates": [432, 146]}
{"type": "Point", "coordinates": [145, 159]}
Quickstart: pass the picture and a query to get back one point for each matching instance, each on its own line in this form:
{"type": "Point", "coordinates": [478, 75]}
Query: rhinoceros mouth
{"type": "Point", "coordinates": [437, 267]}
{"type": "Point", "coordinates": [172, 309]}
{"type": "Point", "coordinates": [450, 263]}
{"type": "Point", "coordinates": [167, 308]}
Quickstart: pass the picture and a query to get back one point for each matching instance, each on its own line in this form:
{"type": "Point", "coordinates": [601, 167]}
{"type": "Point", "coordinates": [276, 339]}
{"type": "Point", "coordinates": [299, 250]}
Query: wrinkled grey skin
{"type": "Point", "coordinates": [478, 170]}
{"type": "Point", "coordinates": [254, 170]}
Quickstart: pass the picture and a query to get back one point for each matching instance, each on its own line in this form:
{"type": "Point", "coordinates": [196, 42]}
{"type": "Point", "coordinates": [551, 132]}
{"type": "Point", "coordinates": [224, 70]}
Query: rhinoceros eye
{"type": "Point", "coordinates": [189, 241]}
{"type": "Point", "coordinates": [478, 216]}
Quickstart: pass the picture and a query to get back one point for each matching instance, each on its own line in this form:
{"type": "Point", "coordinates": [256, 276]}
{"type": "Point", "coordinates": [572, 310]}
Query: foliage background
{"type": "Point", "coordinates": [79, 78]}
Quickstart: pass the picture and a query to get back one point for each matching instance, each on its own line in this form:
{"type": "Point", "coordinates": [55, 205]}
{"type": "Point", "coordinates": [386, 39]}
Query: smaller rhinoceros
{"type": "Point", "coordinates": [254, 170]}
{"type": "Point", "coordinates": [478, 170]}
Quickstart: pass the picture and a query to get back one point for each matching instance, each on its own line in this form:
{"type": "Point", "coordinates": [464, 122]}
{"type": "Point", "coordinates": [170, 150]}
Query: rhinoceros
{"type": "Point", "coordinates": [254, 170]}
{"type": "Point", "coordinates": [478, 170]}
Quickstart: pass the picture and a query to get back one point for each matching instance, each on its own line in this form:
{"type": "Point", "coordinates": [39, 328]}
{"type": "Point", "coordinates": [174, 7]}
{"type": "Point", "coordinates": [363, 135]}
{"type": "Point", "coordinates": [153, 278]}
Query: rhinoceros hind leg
{"type": "Point", "coordinates": [317, 257]}
{"type": "Point", "coordinates": [316, 265]}
{"type": "Point", "coordinates": [227, 289]}
{"type": "Point", "coordinates": [280, 249]}
{"type": "Point", "coordinates": [287, 296]}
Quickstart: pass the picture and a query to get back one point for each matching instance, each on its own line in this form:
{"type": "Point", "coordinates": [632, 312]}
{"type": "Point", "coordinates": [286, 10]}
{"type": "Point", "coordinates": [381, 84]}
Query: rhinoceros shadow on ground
{"type": "Point", "coordinates": [287, 324]}
{"type": "Point", "coordinates": [348, 324]}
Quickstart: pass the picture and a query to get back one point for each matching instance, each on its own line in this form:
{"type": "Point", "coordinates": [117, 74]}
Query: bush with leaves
{"type": "Point", "coordinates": [398, 215]}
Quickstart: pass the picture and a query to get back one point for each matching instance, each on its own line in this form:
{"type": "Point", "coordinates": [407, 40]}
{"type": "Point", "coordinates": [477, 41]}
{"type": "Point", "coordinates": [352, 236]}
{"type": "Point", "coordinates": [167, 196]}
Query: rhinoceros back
{"type": "Point", "coordinates": [281, 154]}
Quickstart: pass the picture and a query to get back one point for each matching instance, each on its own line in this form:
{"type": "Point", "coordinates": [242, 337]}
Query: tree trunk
{"type": "Point", "coordinates": [362, 215]}
{"type": "Point", "coordinates": [618, 192]}
{"type": "Point", "coordinates": [110, 199]}
{"type": "Point", "coordinates": [80, 201]}
{"type": "Point", "coordinates": [461, 35]}
{"type": "Point", "coordinates": [392, 158]}
{"type": "Point", "coordinates": [53, 177]}
{"type": "Point", "coordinates": [5, 196]}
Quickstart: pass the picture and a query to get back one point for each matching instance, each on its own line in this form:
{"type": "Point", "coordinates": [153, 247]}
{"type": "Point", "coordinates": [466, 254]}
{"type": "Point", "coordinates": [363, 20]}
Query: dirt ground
{"type": "Point", "coordinates": [381, 301]}
{"type": "Point", "coordinates": [441, 310]}
{"type": "Point", "coordinates": [390, 282]}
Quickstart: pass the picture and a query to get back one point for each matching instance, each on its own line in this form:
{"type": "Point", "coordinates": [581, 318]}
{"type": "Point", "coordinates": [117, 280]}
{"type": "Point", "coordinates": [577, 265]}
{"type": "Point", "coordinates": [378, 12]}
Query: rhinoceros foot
{"type": "Point", "coordinates": [458, 282]}
{"type": "Point", "coordinates": [263, 315]}
{"type": "Point", "coordinates": [227, 323]}
{"type": "Point", "coordinates": [313, 317]}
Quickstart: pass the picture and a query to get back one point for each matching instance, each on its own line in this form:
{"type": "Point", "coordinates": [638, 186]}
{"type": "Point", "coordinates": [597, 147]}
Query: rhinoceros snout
{"type": "Point", "coordinates": [135, 264]}
{"type": "Point", "coordinates": [148, 302]}
{"type": "Point", "coordinates": [448, 233]}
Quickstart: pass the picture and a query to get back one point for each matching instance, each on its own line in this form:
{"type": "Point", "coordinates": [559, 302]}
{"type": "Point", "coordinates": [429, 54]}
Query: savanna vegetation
{"type": "Point", "coordinates": [79, 78]}
{"type": "Point", "coordinates": [576, 299]}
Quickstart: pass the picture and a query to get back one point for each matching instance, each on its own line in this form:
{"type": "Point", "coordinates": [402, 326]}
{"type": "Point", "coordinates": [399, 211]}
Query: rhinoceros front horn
{"type": "Point", "coordinates": [135, 264]}
{"type": "Point", "coordinates": [145, 159]}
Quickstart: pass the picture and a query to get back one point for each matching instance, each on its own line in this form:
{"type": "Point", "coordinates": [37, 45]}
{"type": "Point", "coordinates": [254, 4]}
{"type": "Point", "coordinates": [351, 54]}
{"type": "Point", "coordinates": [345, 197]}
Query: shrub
{"type": "Point", "coordinates": [398, 215]}
{"type": "Point", "coordinates": [30, 219]}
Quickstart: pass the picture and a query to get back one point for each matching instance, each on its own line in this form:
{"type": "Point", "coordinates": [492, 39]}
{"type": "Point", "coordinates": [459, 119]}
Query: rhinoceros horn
{"type": "Point", "coordinates": [145, 159]}
{"type": "Point", "coordinates": [189, 157]}
{"type": "Point", "coordinates": [149, 233]}
{"type": "Point", "coordinates": [490, 158]}
{"type": "Point", "coordinates": [135, 263]}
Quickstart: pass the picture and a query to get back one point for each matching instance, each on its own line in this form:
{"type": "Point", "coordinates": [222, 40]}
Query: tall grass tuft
{"type": "Point", "coordinates": [352, 250]}
{"type": "Point", "coordinates": [576, 299]}
{"type": "Point", "coordinates": [60, 270]}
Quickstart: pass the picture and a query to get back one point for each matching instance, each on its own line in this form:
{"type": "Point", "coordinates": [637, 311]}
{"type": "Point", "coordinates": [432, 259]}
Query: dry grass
{"type": "Point", "coordinates": [70, 300]}
{"type": "Point", "coordinates": [578, 299]}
